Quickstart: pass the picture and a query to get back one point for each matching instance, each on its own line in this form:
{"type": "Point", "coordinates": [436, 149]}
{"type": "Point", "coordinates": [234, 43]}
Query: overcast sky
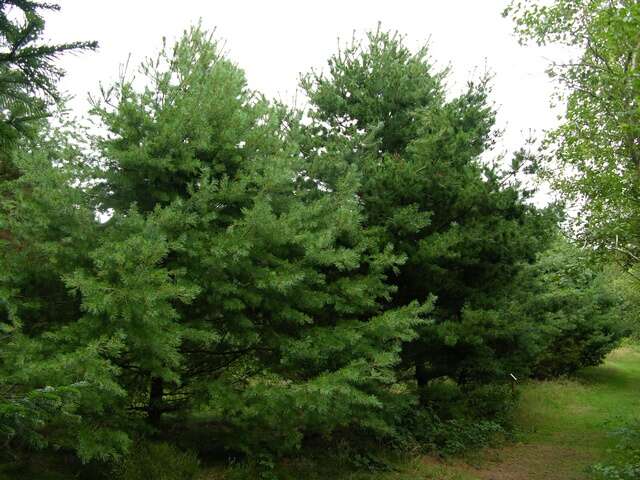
{"type": "Point", "coordinates": [274, 41]}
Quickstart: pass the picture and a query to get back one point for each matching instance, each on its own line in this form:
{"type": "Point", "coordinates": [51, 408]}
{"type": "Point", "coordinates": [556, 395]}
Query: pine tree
{"type": "Point", "coordinates": [464, 226]}
{"type": "Point", "coordinates": [57, 382]}
{"type": "Point", "coordinates": [242, 286]}
{"type": "Point", "coordinates": [28, 74]}
{"type": "Point", "coordinates": [48, 380]}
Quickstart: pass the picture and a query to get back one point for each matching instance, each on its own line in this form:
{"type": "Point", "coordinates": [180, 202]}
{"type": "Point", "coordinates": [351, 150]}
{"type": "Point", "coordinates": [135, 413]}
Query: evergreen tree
{"type": "Point", "coordinates": [240, 285]}
{"type": "Point", "coordinates": [47, 380]}
{"type": "Point", "coordinates": [465, 227]}
{"type": "Point", "coordinates": [571, 305]}
{"type": "Point", "coordinates": [57, 383]}
{"type": "Point", "coordinates": [28, 74]}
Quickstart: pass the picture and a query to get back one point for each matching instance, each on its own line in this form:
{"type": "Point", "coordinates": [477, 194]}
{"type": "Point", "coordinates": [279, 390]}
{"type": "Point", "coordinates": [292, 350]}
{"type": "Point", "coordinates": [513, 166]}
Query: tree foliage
{"type": "Point", "coordinates": [594, 155]}
{"type": "Point", "coordinates": [464, 226]}
{"type": "Point", "coordinates": [224, 279]}
{"type": "Point", "coordinates": [56, 377]}
{"type": "Point", "coordinates": [28, 74]}
{"type": "Point", "coordinates": [211, 258]}
{"type": "Point", "coordinates": [572, 309]}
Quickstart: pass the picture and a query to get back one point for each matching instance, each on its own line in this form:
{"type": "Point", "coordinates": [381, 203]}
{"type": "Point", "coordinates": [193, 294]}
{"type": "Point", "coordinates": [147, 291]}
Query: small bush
{"type": "Point", "coordinates": [495, 402]}
{"type": "Point", "coordinates": [457, 420]}
{"type": "Point", "coordinates": [577, 343]}
{"type": "Point", "coordinates": [158, 461]}
{"type": "Point", "coordinates": [602, 471]}
{"type": "Point", "coordinates": [454, 436]}
{"type": "Point", "coordinates": [627, 457]}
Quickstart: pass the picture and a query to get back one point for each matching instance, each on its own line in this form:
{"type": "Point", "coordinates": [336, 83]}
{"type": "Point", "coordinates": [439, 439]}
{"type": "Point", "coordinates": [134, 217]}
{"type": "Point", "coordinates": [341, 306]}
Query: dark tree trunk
{"type": "Point", "coordinates": [156, 392]}
{"type": "Point", "coordinates": [422, 379]}
{"type": "Point", "coordinates": [423, 376]}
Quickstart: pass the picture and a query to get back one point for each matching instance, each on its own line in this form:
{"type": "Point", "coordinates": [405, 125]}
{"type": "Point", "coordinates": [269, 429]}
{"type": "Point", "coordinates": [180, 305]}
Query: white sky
{"type": "Point", "coordinates": [274, 41]}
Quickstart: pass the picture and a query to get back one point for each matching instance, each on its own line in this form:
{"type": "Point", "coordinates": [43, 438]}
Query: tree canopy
{"type": "Point", "coordinates": [463, 225]}
{"type": "Point", "coordinates": [594, 155]}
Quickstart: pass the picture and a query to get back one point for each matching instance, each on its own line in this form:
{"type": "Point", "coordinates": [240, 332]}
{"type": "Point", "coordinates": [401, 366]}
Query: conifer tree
{"type": "Point", "coordinates": [28, 74]}
{"type": "Point", "coordinates": [464, 226]}
{"type": "Point", "coordinates": [48, 381]}
{"type": "Point", "coordinates": [58, 385]}
{"type": "Point", "coordinates": [241, 285]}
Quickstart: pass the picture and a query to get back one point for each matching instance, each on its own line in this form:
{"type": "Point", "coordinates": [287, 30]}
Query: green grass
{"type": "Point", "coordinates": [574, 417]}
{"type": "Point", "coordinates": [580, 411]}
{"type": "Point", "coordinates": [565, 424]}
{"type": "Point", "coordinates": [564, 427]}
{"type": "Point", "coordinates": [414, 469]}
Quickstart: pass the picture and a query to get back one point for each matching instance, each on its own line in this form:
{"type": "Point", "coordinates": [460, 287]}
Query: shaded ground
{"type": "Point", "coordinates": [525, 461]}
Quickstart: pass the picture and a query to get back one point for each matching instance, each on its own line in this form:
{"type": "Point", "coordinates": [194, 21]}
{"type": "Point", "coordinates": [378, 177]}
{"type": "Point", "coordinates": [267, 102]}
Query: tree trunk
{"type": "Point", "coordinates": [423, 376]}
{"type": "Point", "coordinates": [154, 409]}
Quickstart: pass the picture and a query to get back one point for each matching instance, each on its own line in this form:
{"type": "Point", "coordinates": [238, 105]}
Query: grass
{"type": "Point", "coordinates": [581, 410]}
{"type": "Point", "coordinates": [410, 469]}
{"type": "Point", "coordinates": [563, 425]}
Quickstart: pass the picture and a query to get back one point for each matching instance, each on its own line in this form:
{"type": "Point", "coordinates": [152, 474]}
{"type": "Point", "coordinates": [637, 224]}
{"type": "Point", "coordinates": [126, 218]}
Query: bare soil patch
{"type": "Point", "coordinates": [527, 462]}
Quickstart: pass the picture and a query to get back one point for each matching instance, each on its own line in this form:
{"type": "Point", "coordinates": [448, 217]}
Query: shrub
{"type": "Point", "coordinates": [158, 461]}
{"type": "Point", "coordinates": [494, 402]}
{"type": "Point", "coordinates": [627, 464]}
{"type": "Point", "coordinates": [456, 435]}
{"type": "Point", "coordinates": [571, 305]}
{"type": "Point", "coordinates": [453, 436]}
{"type": "Point", "coordinates": [577, 343]}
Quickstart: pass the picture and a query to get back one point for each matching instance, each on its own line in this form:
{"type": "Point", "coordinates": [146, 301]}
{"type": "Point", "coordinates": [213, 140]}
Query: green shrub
{"type": "Point", "coordinates": [158, 461]}
{"type": "Point", "coordinates": [582, 338]}
{"type": "Point", "coordinates": [259, 467]}
{"type": "Point", "coordinates": [455, 435]}
{"type": "Point", "coordinates": [626, 463]}
{"type": "Point", "coordinates": [602, 471]}
{"type": "Point", "coordinates": [574, 309]}
{"type": "Point", "coordinates": [494, 402]}
{"type": "Point", "coordinates": [457, 419]}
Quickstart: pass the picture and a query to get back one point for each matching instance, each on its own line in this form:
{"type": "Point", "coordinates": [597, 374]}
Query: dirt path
{"type": "Point", "coordinates": [564, 425]}
{"type": "Point", "coordinates": [533, 462]}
